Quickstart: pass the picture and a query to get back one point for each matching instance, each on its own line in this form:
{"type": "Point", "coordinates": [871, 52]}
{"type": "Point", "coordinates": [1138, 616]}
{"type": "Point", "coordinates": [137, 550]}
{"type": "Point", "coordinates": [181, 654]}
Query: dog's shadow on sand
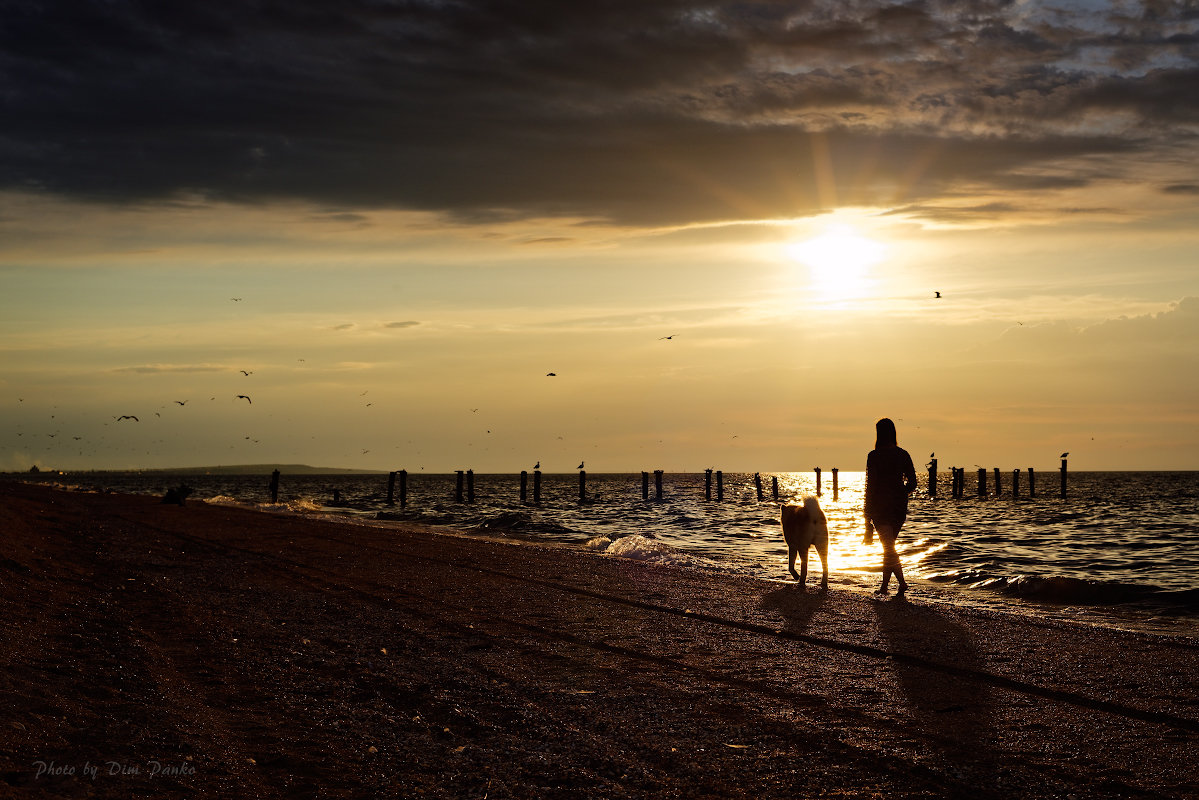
{"type": "Point", "coordinates": [794, 605]}
{"type": "Point", "coordinates": [955, 709]}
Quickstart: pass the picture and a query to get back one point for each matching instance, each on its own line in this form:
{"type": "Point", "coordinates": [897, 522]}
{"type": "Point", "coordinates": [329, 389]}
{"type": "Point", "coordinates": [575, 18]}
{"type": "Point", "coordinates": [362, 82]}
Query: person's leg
{"type": "Point", "coordinates": [896, 567]}
{"type": "Point", "coordinates": [886, 536]}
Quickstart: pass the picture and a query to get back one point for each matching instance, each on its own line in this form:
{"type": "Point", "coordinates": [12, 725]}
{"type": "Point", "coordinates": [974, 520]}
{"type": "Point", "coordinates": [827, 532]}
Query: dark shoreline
{"type": "Point", "coordinates": [283, 657]}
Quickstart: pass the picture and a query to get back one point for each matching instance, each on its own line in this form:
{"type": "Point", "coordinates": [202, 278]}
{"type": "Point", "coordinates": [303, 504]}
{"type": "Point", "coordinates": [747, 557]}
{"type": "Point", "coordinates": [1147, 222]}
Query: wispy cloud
{"type": "Point", "coordinates": [151, 369]}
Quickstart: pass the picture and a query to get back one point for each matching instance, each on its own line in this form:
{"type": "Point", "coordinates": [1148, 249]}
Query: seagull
{"type": "Point", "coordinates": [551, 374]}
{"type": "Point", "coordinates": [235, 299]}
{"type": "Point", "coordinates": [247, 374]}
{"type": "Point", "coordinates": [128, 416]}
{"type": "Point", "coordinates": [247, 399]}
{"type": "Point", "coordinates": [181, 402]}
{"type": "Point", "coordinates": [937, 295]}
{"type": "Point", "coordinates": [580, 465]}
{"type": "Point", "coordinates": [537, 465]}
{"type": "Point", "coordinates": [1063, 455]}
{"type": "Point", "coordinates": [932, 455]}
{"type": "Point", "coordinates": [671, 336]}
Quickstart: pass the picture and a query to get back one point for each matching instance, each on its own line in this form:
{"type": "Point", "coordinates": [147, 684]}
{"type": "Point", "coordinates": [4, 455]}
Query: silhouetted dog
{"type": "Point", "coordinates": [803, 527]}
{"type": "Point", "coordinates": [177, 495]}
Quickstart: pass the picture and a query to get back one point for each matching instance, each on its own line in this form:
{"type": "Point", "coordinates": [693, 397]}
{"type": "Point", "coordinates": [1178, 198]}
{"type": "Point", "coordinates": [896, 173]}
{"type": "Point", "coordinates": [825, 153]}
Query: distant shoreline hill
{"type": "Point", "coordinates": [249, 469]}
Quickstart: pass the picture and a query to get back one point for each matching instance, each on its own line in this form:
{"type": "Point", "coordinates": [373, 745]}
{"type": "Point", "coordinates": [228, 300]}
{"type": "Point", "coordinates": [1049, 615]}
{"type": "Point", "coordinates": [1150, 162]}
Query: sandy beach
{"type": "Point", "coordinates": [208, 651]}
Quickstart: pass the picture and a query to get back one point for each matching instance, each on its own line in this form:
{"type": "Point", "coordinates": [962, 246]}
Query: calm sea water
{"type": "Point", "coordinates": [1122, 548]}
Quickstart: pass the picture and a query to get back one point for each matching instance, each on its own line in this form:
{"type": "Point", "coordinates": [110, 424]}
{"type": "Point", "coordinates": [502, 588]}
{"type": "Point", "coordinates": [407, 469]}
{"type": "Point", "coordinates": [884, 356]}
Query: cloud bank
{"type": "Point", "coordinates": [629, 112]}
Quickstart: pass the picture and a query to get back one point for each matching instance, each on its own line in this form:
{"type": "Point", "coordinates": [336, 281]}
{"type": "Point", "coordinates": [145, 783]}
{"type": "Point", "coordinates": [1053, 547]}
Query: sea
{"type": "Point", "coordinates": [1120, 549]}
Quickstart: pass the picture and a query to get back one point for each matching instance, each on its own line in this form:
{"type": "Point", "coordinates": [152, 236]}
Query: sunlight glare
{"type": "Point", "coordinates": [838, 261]}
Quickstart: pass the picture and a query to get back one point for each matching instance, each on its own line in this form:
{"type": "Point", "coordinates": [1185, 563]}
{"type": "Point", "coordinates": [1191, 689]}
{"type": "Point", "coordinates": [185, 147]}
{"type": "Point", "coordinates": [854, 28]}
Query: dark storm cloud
{"type": "Point", "coordinates": [628, 111]}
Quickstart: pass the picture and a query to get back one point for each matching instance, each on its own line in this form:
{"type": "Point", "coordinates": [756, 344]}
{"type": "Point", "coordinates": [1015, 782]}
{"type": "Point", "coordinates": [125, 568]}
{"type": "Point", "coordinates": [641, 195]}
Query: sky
{"type": "Point", "coordinates": [437, 235]}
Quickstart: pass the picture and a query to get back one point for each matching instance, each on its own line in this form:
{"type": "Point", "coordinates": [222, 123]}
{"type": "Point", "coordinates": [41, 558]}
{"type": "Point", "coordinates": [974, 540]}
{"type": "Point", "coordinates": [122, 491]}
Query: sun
{"type": "Point", "coordinates": [838, 261]}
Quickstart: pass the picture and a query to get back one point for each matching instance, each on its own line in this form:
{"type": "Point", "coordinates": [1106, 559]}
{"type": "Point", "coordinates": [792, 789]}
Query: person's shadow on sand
{"type": "Point", "coordinates": [954, 709]}
{"type": "Point", "coordinates": [795, 607]}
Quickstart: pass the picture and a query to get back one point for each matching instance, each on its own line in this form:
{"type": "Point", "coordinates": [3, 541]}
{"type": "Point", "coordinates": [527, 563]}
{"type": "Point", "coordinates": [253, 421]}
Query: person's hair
{"type": "Point", "coordinates": [884, 433]}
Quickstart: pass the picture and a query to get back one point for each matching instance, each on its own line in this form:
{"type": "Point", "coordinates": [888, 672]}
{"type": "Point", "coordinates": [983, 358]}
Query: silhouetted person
{"type": "Point", "coordinates": [890, 478]}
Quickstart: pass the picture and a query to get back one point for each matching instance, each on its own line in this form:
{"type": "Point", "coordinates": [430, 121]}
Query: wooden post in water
{"type": "Point", "coordinates": [818, 494]}
{"type": "Point", "coordinates": [932, 478]}
{"type": "Point", "coordinates": [835, 471]}
{"type": "Point", "coordinates": [537, 487]}
{"type": "Point", "coordinates": [403, 488]}
{"type": "Point", "coordinates": [391, 488]}
{"type": "Point", "coordinates": [658, 484]}
{"type": "Point", "coordinates": [582, 486]}
{"type": "Point", "coordinates": [982, 482]}
{"type": "Point", "coordinates": [458, 485]}
{"type": "Point", "coordinates": [774, 486]}
{"type": "Point", "coordinates": [275, 484]}
{"type": "Point", "coordinates": [707, 484]}
{"type": "Point", "coordinates": [1063, 478]}
{"type": "Point", "coordinates": [1032, 483]}
{"type": "Point", "coordinates": [524, 485]}
{"type": "Point", "coordinates": [758, 485]}
{"type": "Point", "coordinates": [719, 485]}
{"type": "Point", "coordinates": [1015, 485]}
{"type": "Point", "coordinates": [470, 486]}
{"type": "Point", "coordinates": [644, 485]}
{"type": "Point", "coordinates": [998, 484]}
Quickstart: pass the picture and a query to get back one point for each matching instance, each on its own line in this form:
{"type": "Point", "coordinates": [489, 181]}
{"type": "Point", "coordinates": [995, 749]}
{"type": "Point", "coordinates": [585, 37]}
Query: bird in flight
{"type": "Point", "coordinates": [235, 299]}
{"type": "Point", "coordinates": [128, 416]}
{"type": "Point", "coordinates": [551, 374]}
{"type": "Point", "coordinates": [671, 336]}
{"type": "Point", "coordinates": [247, 374]}
{"type": "Point", "coordinates": [246, 398]}
{"type": "Point", "coordinates": [181, 402]}
{"type": "Point", "coordinates": [937, 295]}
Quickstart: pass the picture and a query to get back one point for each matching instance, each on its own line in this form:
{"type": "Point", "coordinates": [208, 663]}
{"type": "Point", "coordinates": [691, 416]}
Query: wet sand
{"type": "Point", "coordinates": [206, 651]}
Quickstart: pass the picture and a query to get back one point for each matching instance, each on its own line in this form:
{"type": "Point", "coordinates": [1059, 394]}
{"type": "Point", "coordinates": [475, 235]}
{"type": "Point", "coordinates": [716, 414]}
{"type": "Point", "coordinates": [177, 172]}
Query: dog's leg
{"type": "Point", "coordinates": [803, 568]}
{"type": "Point", "coordinates": [823, 551]}
{"type": "Point", "coordinates": [791, 562]}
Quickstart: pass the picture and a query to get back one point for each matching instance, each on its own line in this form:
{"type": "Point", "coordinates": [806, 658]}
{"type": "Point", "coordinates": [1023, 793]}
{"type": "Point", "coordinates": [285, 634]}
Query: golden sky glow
{"type": "Point", "coordinates": [727, 250]}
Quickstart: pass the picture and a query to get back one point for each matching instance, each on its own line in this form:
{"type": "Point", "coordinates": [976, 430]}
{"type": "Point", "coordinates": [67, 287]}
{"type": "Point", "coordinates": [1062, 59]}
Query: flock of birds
{"type": "Point", "coordinates": [249, 400]}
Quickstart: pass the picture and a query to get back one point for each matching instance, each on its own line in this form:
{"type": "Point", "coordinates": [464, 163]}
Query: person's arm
{"type": "Point", "coordinates": [868, 536]}
{"type": "Point", "coordinates": [909, 474]}
{"type": "Point", "coordinates": [868, 504]}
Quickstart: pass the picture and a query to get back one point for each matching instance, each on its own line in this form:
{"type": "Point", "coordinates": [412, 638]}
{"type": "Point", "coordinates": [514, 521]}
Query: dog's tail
{"type": "Point", "coordinates": [812, 506]}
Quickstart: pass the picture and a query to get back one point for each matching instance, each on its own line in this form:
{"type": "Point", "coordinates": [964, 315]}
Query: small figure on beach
{"type": "Point", "coordinates": [177, 495]}
{"type": "Point", "coordinates": [890, 478]}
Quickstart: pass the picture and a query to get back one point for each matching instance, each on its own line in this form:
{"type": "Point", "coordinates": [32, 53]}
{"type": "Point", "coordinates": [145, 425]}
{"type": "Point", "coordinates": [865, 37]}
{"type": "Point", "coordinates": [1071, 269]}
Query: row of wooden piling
{"type": "Point", "coordinates": [958, 482]}
{"type": "Point", "coordinates": [464, 484]}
